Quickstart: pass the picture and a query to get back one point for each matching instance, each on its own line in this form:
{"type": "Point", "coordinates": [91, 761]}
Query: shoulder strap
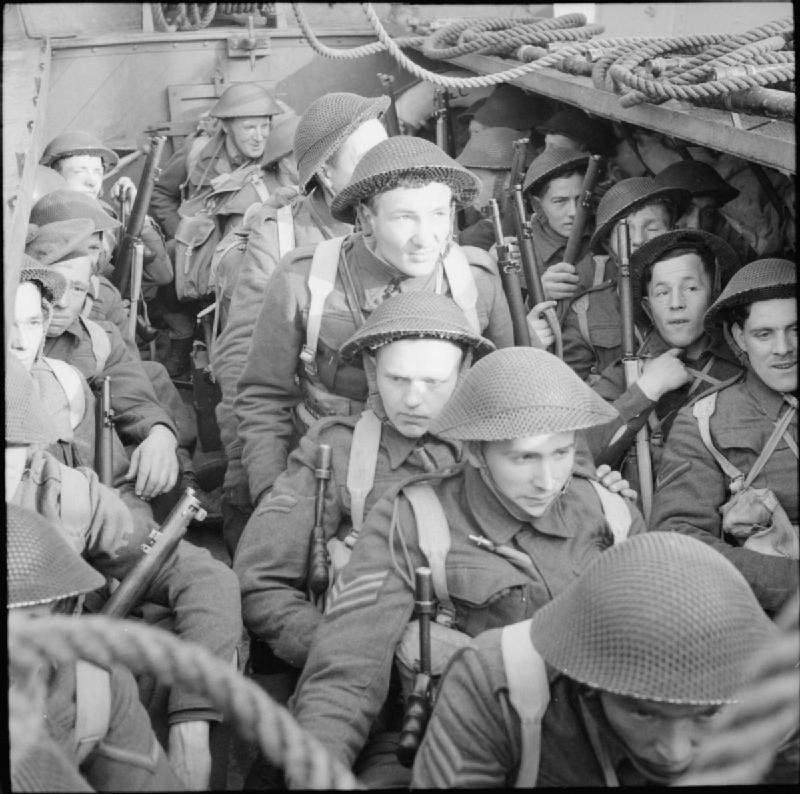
{"type": "Point", "coordinates": [361, 468]}
{"type": "Point", "coordinates": [434, 541]}
{"type": "Point", "coordinates": [285, 221]}
{"type": "Point", "coordinates": [780, 428]}
{"type": "Point", "coordinates": [321, 278]}
{"type": "Point", "coordinates": [616, 512]}
{"type": "Point", "coordinates": [599, 269]}
{"type": "Point", "coordinates": [581, 308]}
{"type": "Point", "coordinates": [101, 344]}
{"type": "Point", "coordinates": [70, 382]}
{"type": "Point", "coordinates": [703, 410]}
{"type": "Point", "coordinates": [462, 285]}
{"type": "Point", "coordinates": [92, 707]}
{"type": "Point", "coordinates": [529, 693]}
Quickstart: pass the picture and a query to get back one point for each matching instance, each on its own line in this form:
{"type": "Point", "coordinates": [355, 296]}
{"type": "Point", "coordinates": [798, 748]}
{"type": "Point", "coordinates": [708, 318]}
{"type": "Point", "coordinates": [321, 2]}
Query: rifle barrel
{"type": "Point", "coordinates": [582, 211]}
{"type": "Point", "coordinates": [104, 439]}
{"type": "Point", "coordinates": [318, 569]}
{"type": "Point", "coordinates": [625, 292]}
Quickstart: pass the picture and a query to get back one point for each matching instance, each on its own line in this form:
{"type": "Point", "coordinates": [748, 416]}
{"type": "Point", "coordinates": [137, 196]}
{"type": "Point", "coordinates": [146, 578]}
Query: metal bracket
{"type": "Point", "coordinates": [250, 46]}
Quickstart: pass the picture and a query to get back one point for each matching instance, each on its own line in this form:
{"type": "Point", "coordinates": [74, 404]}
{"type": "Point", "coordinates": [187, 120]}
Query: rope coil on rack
{"type": "Point", "coordinates": [144, 649]}
{"type": "Point", "coordinates": [182, 16]}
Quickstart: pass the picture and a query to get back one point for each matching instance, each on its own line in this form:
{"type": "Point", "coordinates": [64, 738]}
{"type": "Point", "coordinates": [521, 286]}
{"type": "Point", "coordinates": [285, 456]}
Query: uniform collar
{"type": "Point", "coordinates": [654, 345]}
{"type": "Point", "coordinates": [399, 448]}
{"type": "Point", "coordinates": [769, 401]}
{"type": "Point", "coordinates": [320, 211]}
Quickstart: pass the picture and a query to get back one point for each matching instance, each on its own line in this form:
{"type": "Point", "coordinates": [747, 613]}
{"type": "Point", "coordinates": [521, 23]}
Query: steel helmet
{"type": "Point", "coordinates": [46, 181]}
{"type": "Point", "coordinates": [77, 142]}
{"type": "Point", "coordinates": [245, 99]}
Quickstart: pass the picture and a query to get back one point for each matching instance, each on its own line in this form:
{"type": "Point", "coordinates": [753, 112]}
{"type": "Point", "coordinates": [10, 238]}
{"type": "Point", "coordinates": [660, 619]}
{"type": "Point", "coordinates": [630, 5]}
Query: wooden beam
{"type": "Point", "coordinates": [771, 145]}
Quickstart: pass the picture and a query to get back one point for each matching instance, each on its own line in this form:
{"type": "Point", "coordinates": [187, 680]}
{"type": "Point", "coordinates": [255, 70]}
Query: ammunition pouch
{"type": "Point", "coordinates": [338, 377]}
{"type": "Point", "coordinates": [318, 402]}
{"type": "Point", "coordinates": [755, 519]}
{"type": "Point", "coordinates": [444, 643]}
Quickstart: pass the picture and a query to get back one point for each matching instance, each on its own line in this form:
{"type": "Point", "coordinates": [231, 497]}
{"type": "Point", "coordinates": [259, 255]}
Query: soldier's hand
{"type": "Point", "coordinates": [560, 281]}
{"type": "Point", "coordinates": [124, 191]}
{"type": "Point", "coordinates": [154, 464]}
{"type": "Point", "coordinates": [189, 753]}
{"type": "Point", "coordinates": [662, 374]}
{"type": "Point", "coordinates": [615, 482]}
{"type": "Point", "coordinates": [541, 333]}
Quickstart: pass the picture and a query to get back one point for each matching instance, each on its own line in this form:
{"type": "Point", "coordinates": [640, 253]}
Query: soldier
{"type": "Point", "coordinates": [93, 733]}
{"type": "Point", "coordinates": [503, 534]}
{"type": "Point", "coordinates": [576, 131]}
{"type": "Point", "coordinates": [674, 279]}
{"type": "Point", "coordinates": [729, 471]}
{"type": "Point", "coordinates": [108, 528]}
{"type": "Point", "coordinates": [404, 191]}
{"type": "Point", "coordinates": [232, 157]}
{"type": "Point", "coordinates": [488, 154]}
{"type": "Point", "coordinates": [416, 347]}
{"type": "Point", "coordinates": [333, 133]}
{"type": "Point", "coordinates": [613, 683]}
{"type": "Point", "coordinates": [709, 192]}
{"type": "Point", "coordinates": [591, 326]}
{"type": "Point", "coordinates": [97, 349]}
{"type": "Point", "coordinates": [554, 185]}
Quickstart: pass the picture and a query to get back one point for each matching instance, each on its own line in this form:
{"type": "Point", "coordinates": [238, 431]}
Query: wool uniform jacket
{"type": "Point", "coordinates": [268, 389]}
{"type": "Point", "coordinates": [260, 260]}
{"type": "Point", "coordinates": [691, 487]}
{"type": "Point", "coordinates": [346, 678]}
{"type": "Point", "coordinates": [272, 556]}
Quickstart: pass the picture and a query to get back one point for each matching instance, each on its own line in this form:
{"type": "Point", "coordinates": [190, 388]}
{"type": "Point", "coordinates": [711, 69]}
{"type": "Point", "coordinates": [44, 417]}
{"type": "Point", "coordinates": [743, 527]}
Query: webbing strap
{"type": "Point", "coordinates": [581, 307]}
{"type": "Point", "coordinates": [780, 428]}
{"type": "Point", "coordinates": [321, 278]}
{"type": "Point", "coordinates": [529, 693]}
{"type": "Point", "coordinates": [434, 541]}
{"type": "Point", "coordinates": [703, 410]}
{"type": "Point", "coordinates": [285, 221]}
{"type": "Point", "coordinates": [462, 285]}
{"type": "Point", "coordinates": [361, 468]}
{"type": "Point", "coordinates": [101, 344]}
{"type": "Point", "coordinates": [599, 269]}
{"type": "Point", "coordinates": [260, 187]}
{"type": "Point", "coordinates": [70, 382]}
{"type": "Point", "coordinates": [92, 707]}
{"type": "Point", "coordinates": [616, 512]}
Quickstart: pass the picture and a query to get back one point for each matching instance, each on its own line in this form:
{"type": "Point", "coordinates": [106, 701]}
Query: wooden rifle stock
{"type": "Point", "coordinates": [418, 708]}
{"type": "Point", "coordinates": [160, 545]}
{"type": "Point", "coordinates": [133, 230]}
{"type": "Point", "coordinates": [104, 434]}
{"type": "Point", "coordinates": [582, 212]}
{"type": "Point", "coordinates": [318, 563]}
{"type": "Point", "coordinates": [135, 287]}
{"type": "Point", "coordinates": [630, 364]}
{"type": "Point", "coordinates": [392, 122]}
{"type": "Point", "coordinates": [530, 267]}
{"type": "Point", "coordinates": [509, 276]}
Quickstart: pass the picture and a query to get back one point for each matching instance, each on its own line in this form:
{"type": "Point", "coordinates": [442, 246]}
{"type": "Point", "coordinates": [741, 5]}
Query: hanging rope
{"type": "Point", "coordinates": [144, 649]}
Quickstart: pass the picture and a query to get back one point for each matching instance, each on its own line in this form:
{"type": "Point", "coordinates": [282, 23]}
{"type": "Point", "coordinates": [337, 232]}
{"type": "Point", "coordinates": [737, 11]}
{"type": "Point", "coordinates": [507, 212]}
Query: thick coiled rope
{"type": "Point", "coordinates": [187, 16]}
{"type": "Point", "coordinates": [144, 649]}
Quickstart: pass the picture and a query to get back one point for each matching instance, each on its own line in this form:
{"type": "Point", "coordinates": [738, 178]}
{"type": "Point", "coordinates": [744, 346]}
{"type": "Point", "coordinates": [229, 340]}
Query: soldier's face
{"type": "Point", "coordinates": [663, 737]}
{"type": "Point", "coordinates": [769, 337]}
{"type": "Point", "coordinates": [248, 134]}
{"type": "Point", "coordinates": [83, 172]}
{"type": "Point", "coordinates": [415, 379]}
{"type": "Point", "coordinates": [531, 471]}
{"type": "Point", "coordinates": [28, 329]}
{"type": "Point", "coordinates": [559, 202]}
{"type": "Point", "coordinates": [67, 308]}
{"type": "Point", "coordinates": [336, 173]}
{"type": "Point", "coordinates": [643, 224]}
{"type": "Point", "coordinates": [411, 226]}
{"type": "Point", "coordinates": [678, 295]}
{"type": "Point", "coordinates": [701, 214]}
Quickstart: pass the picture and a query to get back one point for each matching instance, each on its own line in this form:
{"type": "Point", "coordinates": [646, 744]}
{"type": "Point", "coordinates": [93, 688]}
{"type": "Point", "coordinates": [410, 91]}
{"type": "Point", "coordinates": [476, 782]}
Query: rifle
{"type": "Point", "coordinates": [582, 210]}
{"type": "Point", "coordinates": [444, 133]}
{"type": "Point", "coordinates": [133, 230]}
{"type": "Point", "coordinates": [392, 122]}
{"type": "Point", "coordinates": [418, 708]}
{"type": "Point", "coordinates": [530, 267]}
{"type": "Point", "coordinates": [509, 276]}
{"type": "Point", "coordinates": [318, 563]}
{"type": "Point", "coordinates": [630, 363]}
{"type": "Point", "coordinates": [161, 543]}
{"type": "Point", "coordinates": [104, 434]}
{"type": "Point", "coordinates": [516, 172]}
{"type": "Point", "coordinates": [136, 288]}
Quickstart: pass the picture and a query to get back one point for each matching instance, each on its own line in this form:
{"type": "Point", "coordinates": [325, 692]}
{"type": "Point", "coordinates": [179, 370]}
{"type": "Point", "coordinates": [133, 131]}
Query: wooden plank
{"type": "Point", "coordinates": [26, 71]}
{"type": "Point", "coordinates": [772, 145]}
